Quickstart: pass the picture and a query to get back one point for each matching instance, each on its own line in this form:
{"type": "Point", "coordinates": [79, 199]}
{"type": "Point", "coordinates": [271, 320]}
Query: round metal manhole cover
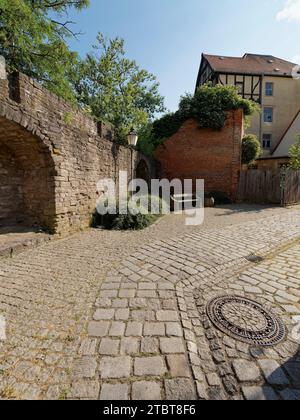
{"type": "Point", "coordinates": [246, 320]}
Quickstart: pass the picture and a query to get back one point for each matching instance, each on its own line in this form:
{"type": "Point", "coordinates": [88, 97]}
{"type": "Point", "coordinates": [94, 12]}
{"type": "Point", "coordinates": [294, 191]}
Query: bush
{"type": "Point", "coordinates": [294, 154]}
{"type": "Point", "coordinates": [251, 149]}
{"type": "Point", "coordinates": [208, 106]}
{"type": "Point", "coordinates": [129, 221]}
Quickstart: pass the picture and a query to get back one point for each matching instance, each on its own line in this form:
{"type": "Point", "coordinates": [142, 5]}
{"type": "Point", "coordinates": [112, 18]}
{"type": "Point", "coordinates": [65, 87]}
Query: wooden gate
{"type": "Point", "coordinates": [259, 187]}
{"type": "Point", "coordinates": [291, 187]}
{"type": "Point", "coordinates": [266, 187]}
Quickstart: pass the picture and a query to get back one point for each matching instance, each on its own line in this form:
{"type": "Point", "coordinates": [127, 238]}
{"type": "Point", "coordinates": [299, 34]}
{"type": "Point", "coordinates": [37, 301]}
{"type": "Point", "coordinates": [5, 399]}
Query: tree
{"type": "Point", "coordinates": [294, 154]}
{"type": "Point", "coordinates": [251, 149]}
{"type": "Point", "coordinates": [115, 89]}
{"type": "Point", "coordinates": [33, 37]}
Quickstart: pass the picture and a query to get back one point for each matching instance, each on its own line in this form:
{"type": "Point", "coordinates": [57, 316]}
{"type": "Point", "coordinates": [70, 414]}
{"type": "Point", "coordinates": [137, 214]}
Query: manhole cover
{"type": "Point", "coordinates": [246, 320]}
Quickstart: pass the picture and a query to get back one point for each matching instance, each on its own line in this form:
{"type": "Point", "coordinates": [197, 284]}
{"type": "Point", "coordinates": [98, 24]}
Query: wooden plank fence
{"type": "Point", "coordinates": [291, 188]}
{"type": "Point", "coordinates": [266, 187]}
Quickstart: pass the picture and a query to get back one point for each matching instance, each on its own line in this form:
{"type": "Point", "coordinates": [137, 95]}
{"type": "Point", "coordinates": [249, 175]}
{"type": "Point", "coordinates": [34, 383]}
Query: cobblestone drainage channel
{"type": "Point", "coordinates": [246, 320]}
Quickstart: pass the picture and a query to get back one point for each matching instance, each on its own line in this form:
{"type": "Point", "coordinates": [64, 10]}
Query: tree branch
{"type": "Point", "coordinates": [57, 4]}
{"type": "Point", "coordinates": [65, 26]}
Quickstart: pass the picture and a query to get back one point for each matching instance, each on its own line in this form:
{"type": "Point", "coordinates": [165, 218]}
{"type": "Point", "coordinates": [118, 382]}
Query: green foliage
{"type": "Point", "coordinates": [129, 221]}
{"type": "Point", "coordinates": [33, 36]}
{"type": "Point", "coordinates": [115, 88]}
{"type": "Point", "coordinates": [208, 106]}
{"type": "Point", "coordinates": [251, 149]}
{"type": "Point", "coordinates": [166, 126]}
{"type": "Point", "coordinates": [294, 154]}
{"type": "Point", "coordinates": [146, 141]}
{"type": "Point", "coordinates": [107, 85]}
{"type": "Point", "coordinates": [68, 118]}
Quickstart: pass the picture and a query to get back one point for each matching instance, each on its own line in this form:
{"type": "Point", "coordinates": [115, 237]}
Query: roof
{"type": "Point", "coordinates": [251, 64]}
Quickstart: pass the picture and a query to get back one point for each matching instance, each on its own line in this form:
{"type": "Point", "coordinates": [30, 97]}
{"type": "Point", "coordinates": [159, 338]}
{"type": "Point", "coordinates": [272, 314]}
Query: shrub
{"type": "Point", "coordinates": [294, 154]}
{"type": "Point", "coordinates": [208, 106]}
{"type": "Point", "coordinates": [130, 221]}
{"type": "Point", "coordinates": [251, 149]}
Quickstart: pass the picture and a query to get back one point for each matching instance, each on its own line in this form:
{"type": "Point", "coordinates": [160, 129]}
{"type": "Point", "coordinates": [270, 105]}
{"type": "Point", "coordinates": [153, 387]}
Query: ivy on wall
{"type": "Point", "coordinates": [208, 107]}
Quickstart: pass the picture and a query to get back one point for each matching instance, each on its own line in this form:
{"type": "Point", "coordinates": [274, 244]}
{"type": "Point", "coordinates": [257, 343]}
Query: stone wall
{"type": "Point", "coordinates": [51, 157]}
{"type": "Point", "coordinates": [212, 155]}
{"type": "Point", "coordinates": [10, 182]}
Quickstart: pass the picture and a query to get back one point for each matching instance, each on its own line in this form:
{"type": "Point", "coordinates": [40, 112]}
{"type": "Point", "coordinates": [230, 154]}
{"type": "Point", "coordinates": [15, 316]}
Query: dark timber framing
{"type": "Point", "coordinates": [239, 80]}
{"type": "Point", "coordinates": [254, 91]}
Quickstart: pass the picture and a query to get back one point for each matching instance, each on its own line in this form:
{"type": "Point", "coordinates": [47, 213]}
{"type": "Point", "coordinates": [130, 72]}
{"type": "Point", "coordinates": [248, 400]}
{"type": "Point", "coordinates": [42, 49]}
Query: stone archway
{"type": "Point", "coordinates": [27, 186]}
{"type": "Point", "coordinates": [51, 164]}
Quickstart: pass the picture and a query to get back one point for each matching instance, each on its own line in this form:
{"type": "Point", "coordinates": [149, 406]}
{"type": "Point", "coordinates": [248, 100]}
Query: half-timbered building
{"type": "Point", "coordinates": [271, 82]}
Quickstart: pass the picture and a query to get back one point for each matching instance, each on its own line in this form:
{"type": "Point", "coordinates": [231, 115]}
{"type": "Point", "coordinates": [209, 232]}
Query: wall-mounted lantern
{"type": "Point", "coordinates": [132, 138]}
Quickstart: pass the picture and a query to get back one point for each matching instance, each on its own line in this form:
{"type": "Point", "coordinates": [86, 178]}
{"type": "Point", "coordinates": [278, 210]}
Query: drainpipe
{"type": "Point", "coordinates": [261, 115]}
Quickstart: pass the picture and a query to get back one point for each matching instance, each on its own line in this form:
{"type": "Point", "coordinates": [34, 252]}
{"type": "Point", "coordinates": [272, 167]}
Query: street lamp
{"type": "Point", "coordinates": [132, 138]}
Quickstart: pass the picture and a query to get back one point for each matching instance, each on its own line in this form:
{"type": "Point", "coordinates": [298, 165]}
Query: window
{"type": "Point", "coordinates": [268, 115]}
{"type": "Point", "coordinates": [267, 141]}
{"type": "Point", "coordinates": [269, 89]}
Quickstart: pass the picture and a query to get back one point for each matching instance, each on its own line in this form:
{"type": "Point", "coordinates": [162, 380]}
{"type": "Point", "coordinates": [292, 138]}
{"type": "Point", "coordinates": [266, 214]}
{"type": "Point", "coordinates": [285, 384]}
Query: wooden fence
{"type": "Point", "coordinates": [291, 188]}
{"type": "Point", "coordinates": [266, 187]}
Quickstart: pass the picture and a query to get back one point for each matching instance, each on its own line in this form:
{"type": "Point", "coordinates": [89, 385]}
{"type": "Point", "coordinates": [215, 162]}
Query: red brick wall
{"type": "Point", "coordinates": [198, 153]}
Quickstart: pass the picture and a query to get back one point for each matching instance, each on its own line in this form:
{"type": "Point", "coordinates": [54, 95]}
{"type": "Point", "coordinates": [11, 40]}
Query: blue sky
{"type": "Point", "coordinates": [167, 37]}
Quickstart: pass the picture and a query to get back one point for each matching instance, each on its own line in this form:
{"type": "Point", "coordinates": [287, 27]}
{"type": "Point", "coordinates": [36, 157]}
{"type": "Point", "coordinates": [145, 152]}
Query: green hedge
{"type": "Point", "coordinates": [129, 221]}
{"type": "Point", "coordinates": [208, 106]}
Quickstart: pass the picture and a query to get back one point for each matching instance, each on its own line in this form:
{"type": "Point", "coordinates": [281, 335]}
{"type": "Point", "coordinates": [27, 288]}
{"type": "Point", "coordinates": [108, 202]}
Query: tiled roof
{"type": "Point", "coordinates": [251, 64]}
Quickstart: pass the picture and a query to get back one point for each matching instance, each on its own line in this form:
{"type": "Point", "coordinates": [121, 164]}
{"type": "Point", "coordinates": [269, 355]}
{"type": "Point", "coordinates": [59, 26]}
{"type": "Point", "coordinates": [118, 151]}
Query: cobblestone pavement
{"type": "Point", "coordinates": [252, 371]}
{"type": "Point", "coordinates": [150, 337]}
{"type": "Point", "coordinates": [145, 334]}
{"type": "Point", "coordinates": [16, 239]}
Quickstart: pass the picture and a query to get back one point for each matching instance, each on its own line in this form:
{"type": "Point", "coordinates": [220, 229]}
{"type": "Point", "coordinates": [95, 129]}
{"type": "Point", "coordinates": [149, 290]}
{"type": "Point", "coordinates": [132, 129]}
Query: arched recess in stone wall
{"type": "Point", "coordinates": [27, 170]}
{"type": "Point", "coordinates": [143, 171]}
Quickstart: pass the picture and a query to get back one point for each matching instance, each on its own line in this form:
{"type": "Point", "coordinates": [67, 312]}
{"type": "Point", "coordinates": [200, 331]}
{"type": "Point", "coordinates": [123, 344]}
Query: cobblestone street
{"type": "Point", "coordinates": [114, 315]}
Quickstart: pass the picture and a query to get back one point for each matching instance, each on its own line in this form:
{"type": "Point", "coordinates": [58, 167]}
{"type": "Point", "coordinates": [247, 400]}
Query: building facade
{"type": "Point", "coordinates": [271, 82]}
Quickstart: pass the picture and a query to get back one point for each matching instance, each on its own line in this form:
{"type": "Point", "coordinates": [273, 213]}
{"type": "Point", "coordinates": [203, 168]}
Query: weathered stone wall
{"type": "Point", "coordinates": [10, 186]}
{"type": "Point", "coordinates": [212, 155]}
{"type": "Point", "coordinates": [59, 156]}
